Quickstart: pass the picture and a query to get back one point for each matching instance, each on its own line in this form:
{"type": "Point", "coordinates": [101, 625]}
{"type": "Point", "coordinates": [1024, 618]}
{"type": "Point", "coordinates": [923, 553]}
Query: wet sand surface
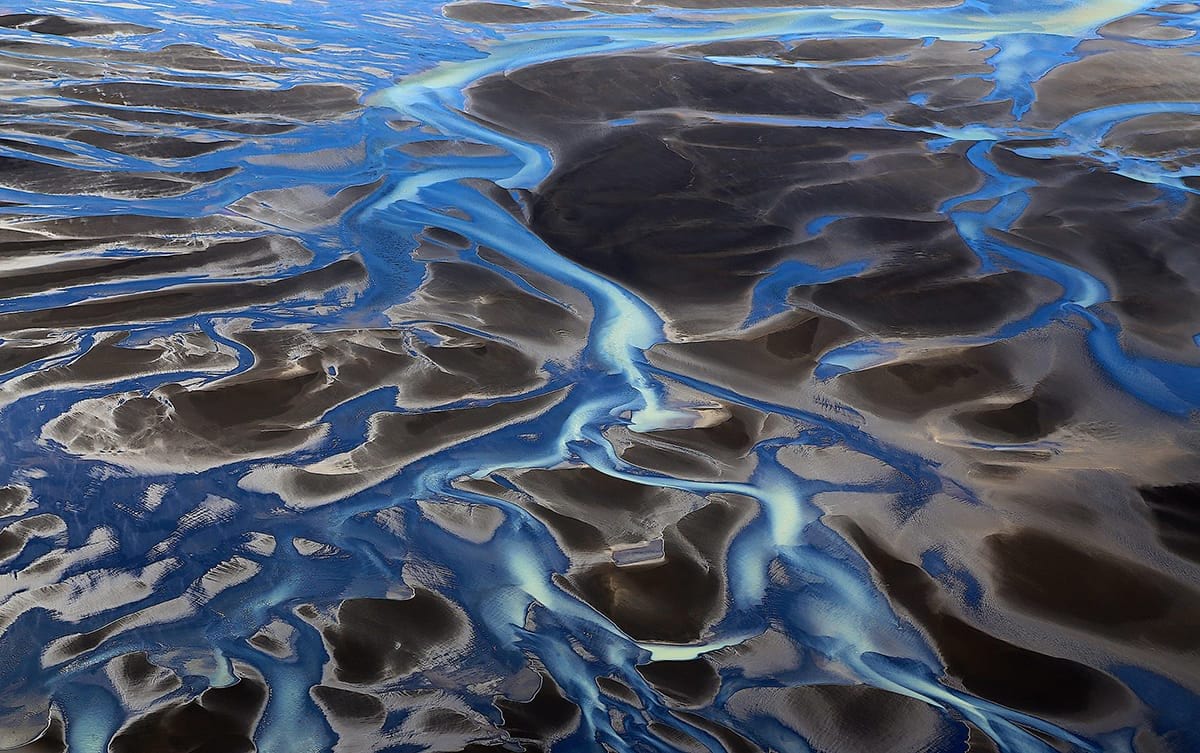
{"type": "Point", "coordinates": [613, 375]}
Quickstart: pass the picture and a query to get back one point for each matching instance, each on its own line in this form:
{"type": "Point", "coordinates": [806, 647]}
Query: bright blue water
{"type": "Point", "coordinates": [413, 64]}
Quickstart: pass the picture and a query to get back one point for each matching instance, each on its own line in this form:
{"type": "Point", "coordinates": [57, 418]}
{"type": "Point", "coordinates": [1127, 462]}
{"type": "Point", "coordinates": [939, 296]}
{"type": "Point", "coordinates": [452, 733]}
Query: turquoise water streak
{"type": "Point", "coordinates": [305, 402]}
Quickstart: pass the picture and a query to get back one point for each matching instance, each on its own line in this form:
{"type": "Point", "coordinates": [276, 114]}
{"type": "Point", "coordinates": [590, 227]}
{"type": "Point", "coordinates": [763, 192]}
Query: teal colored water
{"type": "Point", "coordinates": [602, 375]}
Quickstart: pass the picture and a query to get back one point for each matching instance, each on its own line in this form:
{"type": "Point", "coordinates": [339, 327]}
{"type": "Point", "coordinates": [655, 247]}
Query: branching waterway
{"type": "Point", "coordinates": [612, 375]}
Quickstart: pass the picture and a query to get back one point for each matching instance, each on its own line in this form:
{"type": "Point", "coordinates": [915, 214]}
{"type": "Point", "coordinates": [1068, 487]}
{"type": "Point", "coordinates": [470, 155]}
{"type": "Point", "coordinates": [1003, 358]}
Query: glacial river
{"type": "Point", "coordinates": [606, 375]}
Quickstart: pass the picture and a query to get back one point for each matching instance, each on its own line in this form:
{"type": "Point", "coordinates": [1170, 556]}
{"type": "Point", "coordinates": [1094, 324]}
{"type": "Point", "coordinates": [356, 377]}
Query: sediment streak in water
{"type": "Point", "coordinates": [655, 378]}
